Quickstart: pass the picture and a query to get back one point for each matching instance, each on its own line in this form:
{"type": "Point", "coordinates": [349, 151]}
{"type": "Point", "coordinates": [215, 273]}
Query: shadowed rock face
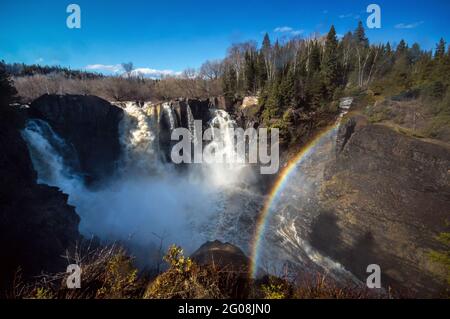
{"type": "Point", "coordinates": [386, 196]}
{"type": "Point", "coordinates": [89, 123]}
{"type": "Point", "coordinates": [36, 223]}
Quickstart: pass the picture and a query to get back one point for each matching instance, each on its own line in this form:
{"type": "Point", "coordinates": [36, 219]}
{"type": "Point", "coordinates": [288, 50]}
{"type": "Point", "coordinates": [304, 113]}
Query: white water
{"type": "Point", "coordinates": [191, 125]}
{"type": "Point", "coordinates": [227, 165]}
{"type": "Point", "coordinates": [47, 152]}
{"type": "Point", "coordinates": [138, 137]}
{"type": "Point", "coordinates": [170, 114]}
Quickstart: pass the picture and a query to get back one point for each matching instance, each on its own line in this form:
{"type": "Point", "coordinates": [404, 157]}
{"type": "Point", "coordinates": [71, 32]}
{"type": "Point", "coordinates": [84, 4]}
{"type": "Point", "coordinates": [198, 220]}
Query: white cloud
{"type": "Point", "coordinates": [288, 30]}
{"type": "Point", "coordinates": [283, 29]}
{"type": "Point", "coordinates": [118, 69]}
{"type": "Point", "coordinates": [408, 25]}
{"type": "Point", "coordinates": [153, 72]}
{"type": "Point", "coordinates": [114, 68]}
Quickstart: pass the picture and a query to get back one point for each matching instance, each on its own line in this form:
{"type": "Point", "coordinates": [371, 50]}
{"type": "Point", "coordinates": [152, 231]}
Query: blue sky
{"type": "Point", "coordinates": [172, 35]}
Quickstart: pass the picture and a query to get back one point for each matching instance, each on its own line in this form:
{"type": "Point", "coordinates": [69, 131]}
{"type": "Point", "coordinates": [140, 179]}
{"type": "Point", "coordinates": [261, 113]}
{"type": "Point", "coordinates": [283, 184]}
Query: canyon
{"type": "Point", "coordinates": [78, 166]}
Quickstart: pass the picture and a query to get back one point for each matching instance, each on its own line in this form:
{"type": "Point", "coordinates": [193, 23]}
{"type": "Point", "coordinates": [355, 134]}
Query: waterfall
{"type": "Point", "coordinates": [135, 205]}
{"type": "Point", "coordinates": [168, 110]}
{"type": "Point", "coordinates": [139, 136]}
{"type": "Point", "coordinates": [54, 160]}
{"type": "Point", "coordinates": [191, 124]}
{"type": "Point", "coordinates": [226, 164]}
{"type": "Point", "coordinates": [223, 142]}
{"type": "Point", "coordinates": [344, 106]}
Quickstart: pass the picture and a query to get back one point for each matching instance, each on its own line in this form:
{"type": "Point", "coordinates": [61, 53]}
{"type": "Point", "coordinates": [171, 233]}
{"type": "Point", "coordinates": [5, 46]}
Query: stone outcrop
{"type": "Point", "coordinates": [223, 255]}
{"type": "Point", "coordinates": [36, 223]}
{"type": "Point", "coordinates": [230, 263]}
{"type": "Point", "coordinates": [89, 123]}
{"type": "Point", "coordinates": [386, 197]}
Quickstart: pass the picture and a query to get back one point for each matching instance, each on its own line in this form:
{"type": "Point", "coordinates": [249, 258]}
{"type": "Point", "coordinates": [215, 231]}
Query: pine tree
{"type": "Point", "coordinates": [360, 35]}
{"type": "Point", "coordinates": [330, 62]}
{"type": "Point", "coordinates": [250, 72]}
{"type": "Point", "coordinates": [266, 52]}
{"type": "Point", "coordinates": [415, 53]}
{"type": "Point", "coordinates": [314, 59]}
{"type": "Point", "coordinates": [229, 82]}
{"type": "Point", "coordinates": [402, 47]}
{"type": "Point", "coordinates": [261, 71]}
{"type": "Point", "coordinates": [388, 48]}
{"type": "Point", "coordinates": [440, 49]}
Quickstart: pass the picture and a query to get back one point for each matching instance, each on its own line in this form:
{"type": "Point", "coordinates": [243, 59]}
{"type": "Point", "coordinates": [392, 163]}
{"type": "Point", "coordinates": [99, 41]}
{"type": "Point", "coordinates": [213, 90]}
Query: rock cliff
{"type": "Point", "coordinates": [386, 197]}
{"type": "Point", "coordinates": [37, 225]}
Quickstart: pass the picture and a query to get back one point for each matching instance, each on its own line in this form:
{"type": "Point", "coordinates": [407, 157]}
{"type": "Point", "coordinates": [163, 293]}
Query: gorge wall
{"type": "Point", "coordinates": [37, 225]}
{"type": "Point", "coordinates": [385, 198]}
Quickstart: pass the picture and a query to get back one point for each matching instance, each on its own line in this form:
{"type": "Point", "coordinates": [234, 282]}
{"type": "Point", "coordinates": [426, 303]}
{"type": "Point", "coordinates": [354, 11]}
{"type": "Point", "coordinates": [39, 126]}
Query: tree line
{"type": "Point", "coordinates": [308, 74]}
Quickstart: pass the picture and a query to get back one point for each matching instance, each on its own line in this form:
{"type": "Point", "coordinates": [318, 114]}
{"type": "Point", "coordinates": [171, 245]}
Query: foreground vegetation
{"type": "Point", "coordinates": [108, 273]}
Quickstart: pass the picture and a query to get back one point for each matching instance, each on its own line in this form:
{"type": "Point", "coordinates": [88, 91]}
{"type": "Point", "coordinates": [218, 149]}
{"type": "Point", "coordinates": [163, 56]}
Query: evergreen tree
{"type": "Point", "coordinates": [360, 35]}
{"type": "Point", "coordinates": [250, 72]}
{"type": "Point", "coordinates": [402, 47]}
{"type": "Point", "coordinates": [440, 49]}
{"type": "Point", "coordinates": [415, 53]}
{"type": "Point", "coordinates": [229, 82]}
{"type": "Point", "coordinates": [314, 59]}
{"type": "Point", "coordinates": [330, 62]}
{"type": "Point", "coordinates": [266, 52]}
{"type": "Point", "coordinates": [261, 70]}
{"type": "Point", "coordinates": [388, 48]}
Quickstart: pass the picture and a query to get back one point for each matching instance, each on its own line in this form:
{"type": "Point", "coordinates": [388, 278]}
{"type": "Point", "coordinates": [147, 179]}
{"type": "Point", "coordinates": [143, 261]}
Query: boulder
{"type": "Point", "coordinates": [223, 255]}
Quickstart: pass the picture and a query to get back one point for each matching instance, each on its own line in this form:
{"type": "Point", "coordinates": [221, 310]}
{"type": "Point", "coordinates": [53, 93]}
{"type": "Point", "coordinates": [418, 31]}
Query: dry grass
{"type": "Point", "coordinates": [109, 273]}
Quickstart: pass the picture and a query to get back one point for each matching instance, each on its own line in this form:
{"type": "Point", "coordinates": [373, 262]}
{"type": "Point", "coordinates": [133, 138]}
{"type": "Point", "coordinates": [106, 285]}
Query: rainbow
{"type": "Point", "coordinates": [277, 188]}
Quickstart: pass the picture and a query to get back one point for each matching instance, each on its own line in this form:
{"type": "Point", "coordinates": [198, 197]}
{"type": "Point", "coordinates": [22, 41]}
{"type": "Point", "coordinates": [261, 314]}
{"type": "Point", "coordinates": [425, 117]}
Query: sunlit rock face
{"type": "Point", "coordinates": [385, 199]}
